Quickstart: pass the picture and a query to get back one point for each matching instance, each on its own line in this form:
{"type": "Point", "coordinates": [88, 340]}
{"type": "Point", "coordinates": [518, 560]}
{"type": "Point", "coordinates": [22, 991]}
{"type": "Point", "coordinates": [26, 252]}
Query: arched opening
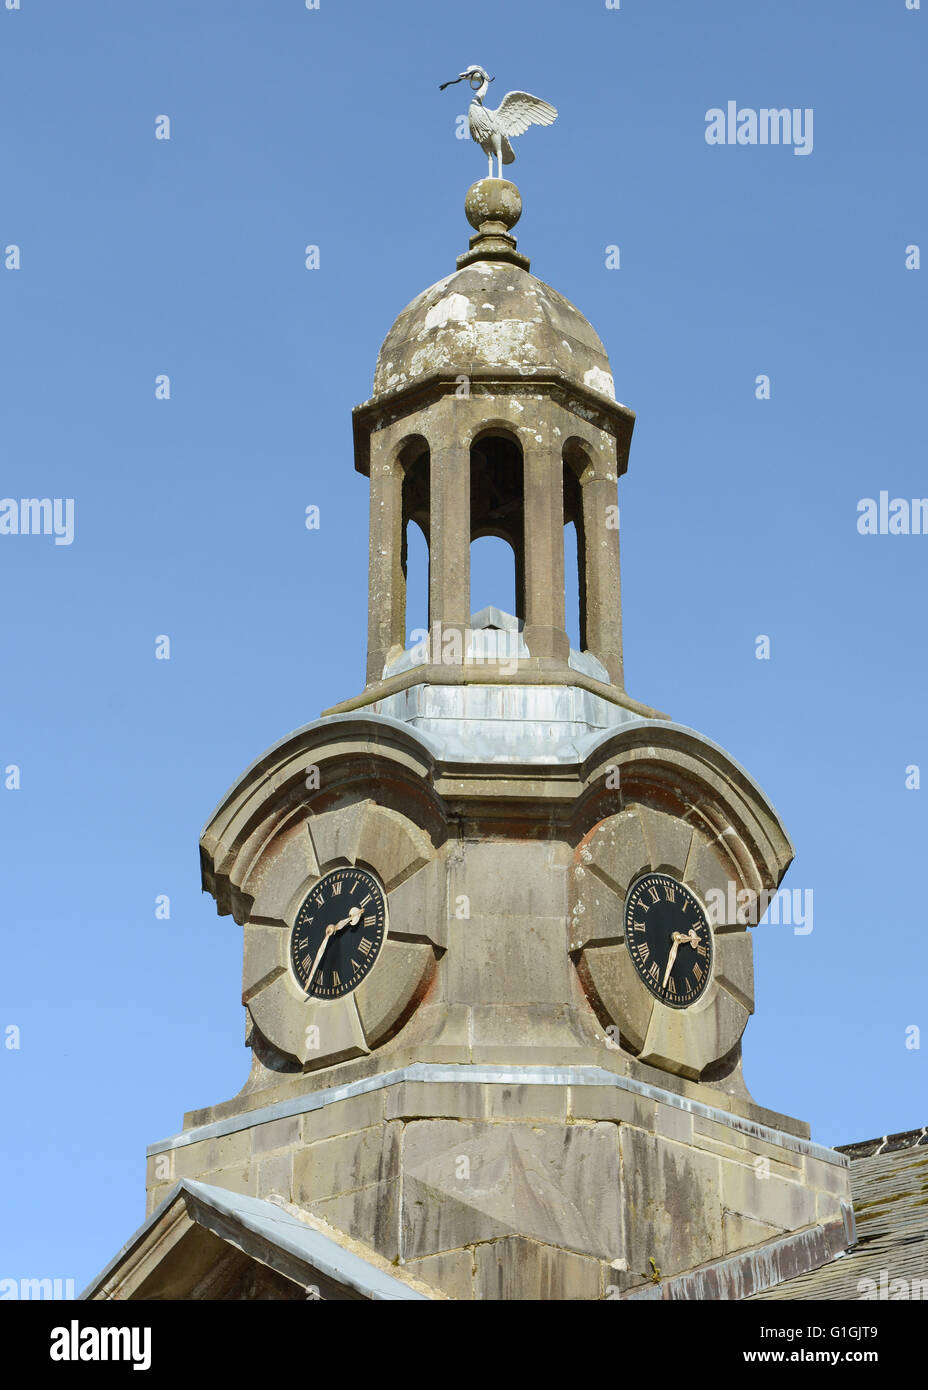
{"type": "Point", "coordinates": [497, 514]}
{"type": "Point", "coordinates": [416, 569]}
{"type": "Point", "coordinates": [414, 459]}
{"type": "Point", "coordinates": [492, 574]}
{"type": "Point", "coordinates": [572, 602]}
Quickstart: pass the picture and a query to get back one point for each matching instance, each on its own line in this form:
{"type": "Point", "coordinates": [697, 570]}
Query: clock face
{"type": "Point", "coordinates": [668, 939]}
{"type": "Point", "coordinates": [338, 933]}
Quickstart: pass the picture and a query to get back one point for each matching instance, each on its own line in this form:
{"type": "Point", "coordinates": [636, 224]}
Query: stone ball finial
{"type": "Point", "coordinates": [493, 207]}
{"type": "Point", "coordinates": [495, 201]}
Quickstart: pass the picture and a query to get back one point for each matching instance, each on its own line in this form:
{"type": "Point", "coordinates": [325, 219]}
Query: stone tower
{"type": "Point", "coordinates": [506, 1103]}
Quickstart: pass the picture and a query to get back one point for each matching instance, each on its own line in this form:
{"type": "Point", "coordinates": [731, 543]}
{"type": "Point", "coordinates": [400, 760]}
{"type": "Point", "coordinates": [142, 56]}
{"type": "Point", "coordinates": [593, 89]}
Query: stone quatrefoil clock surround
{"type": "Point", "coordinates": [343, 930]}
{"type": "Point", "coordinates": [672, 986]}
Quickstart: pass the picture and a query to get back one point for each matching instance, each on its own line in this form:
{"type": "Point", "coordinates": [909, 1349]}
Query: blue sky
{"type": "Point", "coordinates": [139, 257]}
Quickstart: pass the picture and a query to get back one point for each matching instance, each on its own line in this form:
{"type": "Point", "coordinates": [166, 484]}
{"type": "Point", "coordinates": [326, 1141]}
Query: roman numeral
{"type": "Point", "coordinates": [643, 952]}
{"type": "Point", "coordinates": [697, 971]}
{"type": "Point", "coordinates": [365, 901]}
{"type": "Point", "coordinates": [335, 979]}
{"type": "Point", "coordinates": [671, 892]}
{"type": "Point", "coordinates": [701, 950]}
{"type": "Point", "coordinates": [364, 946]}
{"type": "Point", "coordinates": [336, 888]}
{"type": "Point", "coordinates": [355, 967]}
{"type": "Point", "coordinates": [639, 926]}
{"type": "Point", "coordinates": [654, 972]}
{"type": "Point", "coordinates": [319, 899]}
{"type": "Point", "coordinates": [655, 895]}
{"type": "Point", "coordinates": [671, 987]}
{"type": "Point", "coordinates": [370, 920]}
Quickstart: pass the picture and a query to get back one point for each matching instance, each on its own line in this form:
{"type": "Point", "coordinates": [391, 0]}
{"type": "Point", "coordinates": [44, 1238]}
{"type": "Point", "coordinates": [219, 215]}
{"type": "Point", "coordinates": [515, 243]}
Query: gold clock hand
{"type": "Point", "coordinates": [679, 938]}
{"type": "Point", "coordinates": [354, 917]}
{"type": "Point", "coordinates": [319, 954]}
{"type": "Point", "coordinates": [670, 960]}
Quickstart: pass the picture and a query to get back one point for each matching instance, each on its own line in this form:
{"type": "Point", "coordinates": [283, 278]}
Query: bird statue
{"type": "Point", "coordinates": [493, 130]}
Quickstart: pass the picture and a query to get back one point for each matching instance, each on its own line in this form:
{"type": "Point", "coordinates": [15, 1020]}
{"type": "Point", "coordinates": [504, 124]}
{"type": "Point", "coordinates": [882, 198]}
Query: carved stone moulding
{"type": "Point", "coordinates": [290, 819]}
{"type": "Point", "coordinates": [676, 805]}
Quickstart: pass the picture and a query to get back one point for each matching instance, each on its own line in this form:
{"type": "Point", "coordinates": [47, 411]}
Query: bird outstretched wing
{"type": "Point", "coordinates": [518, 110]}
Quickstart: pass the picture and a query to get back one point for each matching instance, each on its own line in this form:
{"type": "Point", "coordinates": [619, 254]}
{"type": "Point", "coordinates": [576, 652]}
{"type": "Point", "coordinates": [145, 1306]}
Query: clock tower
{"type": "Point", "coordinates": [493, 1006]}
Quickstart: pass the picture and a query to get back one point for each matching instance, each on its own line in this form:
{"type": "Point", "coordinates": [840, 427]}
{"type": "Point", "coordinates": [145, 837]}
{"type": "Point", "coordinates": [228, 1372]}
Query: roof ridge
{"type": "Point", "coordinates": [886, 1143]}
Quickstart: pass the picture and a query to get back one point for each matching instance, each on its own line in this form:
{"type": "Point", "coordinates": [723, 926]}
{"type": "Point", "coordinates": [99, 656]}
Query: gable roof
{"type": "Point", "coordinates": [206, 1242]}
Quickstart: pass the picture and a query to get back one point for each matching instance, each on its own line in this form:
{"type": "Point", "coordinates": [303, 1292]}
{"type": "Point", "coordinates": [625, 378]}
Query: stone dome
{"type": "Point", "coordinates": [492, 314]}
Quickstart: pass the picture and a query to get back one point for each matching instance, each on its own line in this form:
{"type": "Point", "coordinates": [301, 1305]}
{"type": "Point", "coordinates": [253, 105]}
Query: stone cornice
{"type": "Point", "coordinates": [613, 417]}
{"type": "Point", "coordinates": [493, 673]}
{"type": "Point", "coordinates": [482, 1075]}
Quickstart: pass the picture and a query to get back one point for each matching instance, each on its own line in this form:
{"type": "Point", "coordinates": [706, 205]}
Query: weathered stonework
{"type": "Point", "coordinates": [461, 1178]}
{"type": "Point", "coordinates": [511, 879]}
{"type": "Point", "coordinates": [506, 934]}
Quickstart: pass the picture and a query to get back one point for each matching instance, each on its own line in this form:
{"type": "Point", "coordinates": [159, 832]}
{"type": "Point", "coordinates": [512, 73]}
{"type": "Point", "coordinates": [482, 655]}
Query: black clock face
{"type": "Point", "coordinates": [338, 933]}
{"type": "Point", "coordinates": [668, 939]}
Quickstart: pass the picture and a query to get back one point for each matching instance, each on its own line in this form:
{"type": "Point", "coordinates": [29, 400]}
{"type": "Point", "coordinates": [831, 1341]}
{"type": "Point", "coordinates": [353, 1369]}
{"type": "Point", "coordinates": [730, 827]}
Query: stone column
{"type": "Point", "coordinates": [449, 550]}
{"type": "Point", "coordinates": [543, 475]}
{"type": "Point", "coordinates": [386, 602]}
{"type": "Point", "coordinates": [518, 551]}
{"type": "Point", "coordinates": [600, 578]}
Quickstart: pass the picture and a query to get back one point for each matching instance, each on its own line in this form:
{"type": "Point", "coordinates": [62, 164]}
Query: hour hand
{"type": "Point", "coordinates": [689, 938]}
{"type": "Point", "coordinates": [670, 959]}
{"type": "Point", "coordinates": [354, 917]}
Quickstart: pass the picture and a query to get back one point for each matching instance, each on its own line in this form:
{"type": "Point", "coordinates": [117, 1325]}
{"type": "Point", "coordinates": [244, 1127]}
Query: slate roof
{"type": "Point", "coordinates": [889, 1188]}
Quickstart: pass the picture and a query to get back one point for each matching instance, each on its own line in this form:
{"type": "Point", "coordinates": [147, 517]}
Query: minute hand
{"type": "Point", "coordinates": [671, 958]}
{"type": "Point", "coordinates": [691, 937]}
{"type": "Point", "coordinates": [354, 917]}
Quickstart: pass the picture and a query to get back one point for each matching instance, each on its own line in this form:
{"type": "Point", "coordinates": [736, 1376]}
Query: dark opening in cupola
{"type": "Point", "coordinates": [497, 511]}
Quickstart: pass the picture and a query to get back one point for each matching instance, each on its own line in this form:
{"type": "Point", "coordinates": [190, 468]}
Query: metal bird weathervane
{"type": "Point", "coordinates": [493, 130]}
